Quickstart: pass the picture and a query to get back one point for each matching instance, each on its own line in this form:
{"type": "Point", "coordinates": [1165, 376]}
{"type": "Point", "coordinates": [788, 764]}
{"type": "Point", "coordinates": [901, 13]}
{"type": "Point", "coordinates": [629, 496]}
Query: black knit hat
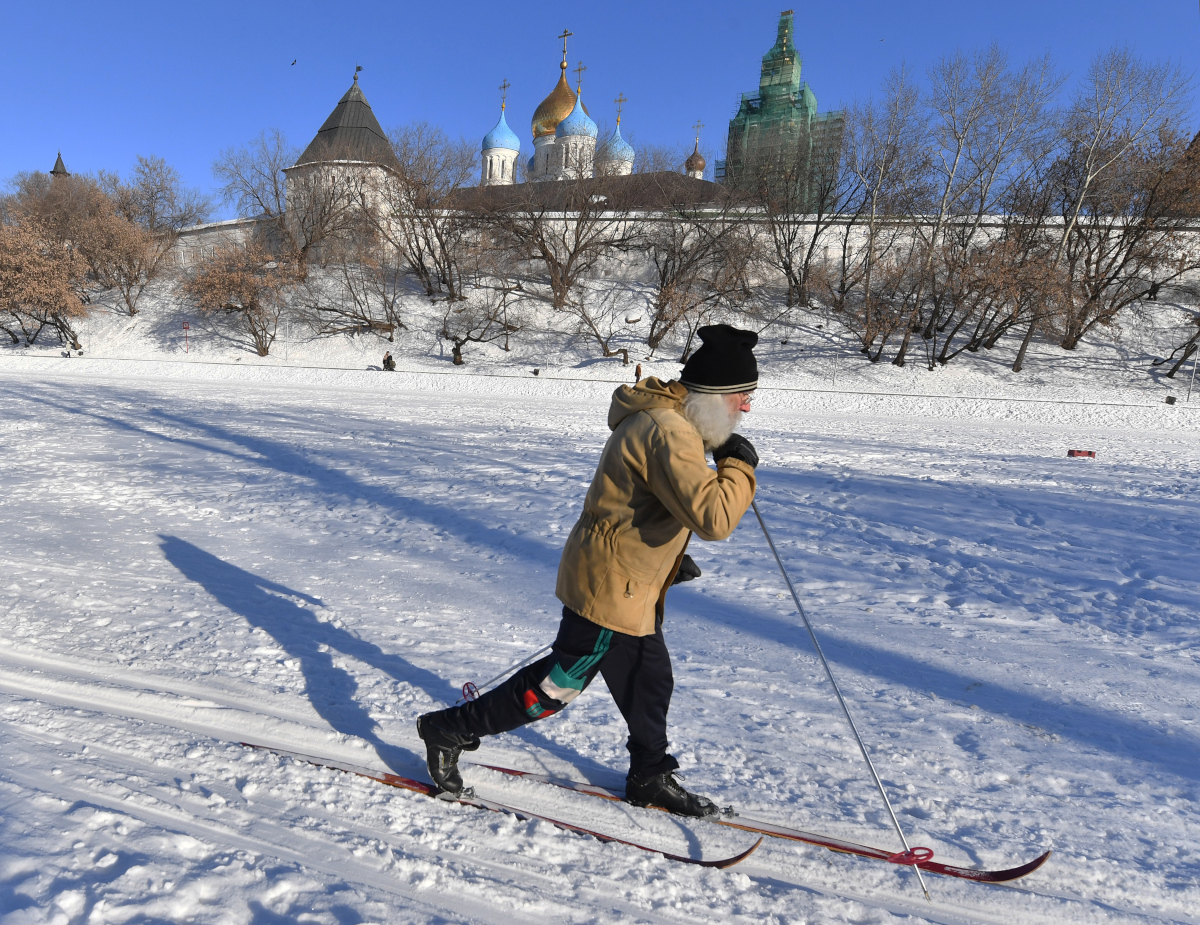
{"type": "Point", "coordinates": [725, 362]}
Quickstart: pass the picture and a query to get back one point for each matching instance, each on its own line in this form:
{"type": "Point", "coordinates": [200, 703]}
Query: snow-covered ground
{"type": "Point", "coordinates": [195, 554]}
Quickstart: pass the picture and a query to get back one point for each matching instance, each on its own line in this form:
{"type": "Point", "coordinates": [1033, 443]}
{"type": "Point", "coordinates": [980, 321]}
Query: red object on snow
{"type": "Point", "coordinates": [1086, 454]}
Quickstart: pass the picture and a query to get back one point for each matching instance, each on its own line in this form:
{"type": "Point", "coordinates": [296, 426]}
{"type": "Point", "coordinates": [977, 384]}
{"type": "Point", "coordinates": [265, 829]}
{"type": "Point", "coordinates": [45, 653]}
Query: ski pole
{"type": "Point", "coordinates": [471, 691]}
{"type": "Point", "coordinates": [910, 855]}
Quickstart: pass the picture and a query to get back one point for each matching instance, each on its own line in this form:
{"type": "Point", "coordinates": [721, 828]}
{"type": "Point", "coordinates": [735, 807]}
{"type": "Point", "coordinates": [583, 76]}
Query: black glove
{"type": "Point", "coordinates": [688, 570]}
{"type": "Point", "coordinates": [738, 447]}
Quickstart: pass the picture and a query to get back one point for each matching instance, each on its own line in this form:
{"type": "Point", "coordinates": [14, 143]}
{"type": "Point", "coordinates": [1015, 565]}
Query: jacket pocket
{"type": "Point", "coordinates": [624, 597]}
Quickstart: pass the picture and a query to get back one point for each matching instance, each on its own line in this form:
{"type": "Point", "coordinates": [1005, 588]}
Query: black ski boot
{"type": "Point", "coordinates": [442, 749]}
{"type": "Point", "coordinates": [664, 791]}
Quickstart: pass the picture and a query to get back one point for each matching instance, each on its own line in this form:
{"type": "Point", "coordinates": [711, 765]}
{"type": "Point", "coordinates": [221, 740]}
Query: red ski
{"type": "Point", "coordinates": [416, 786]}
{"type": "Point", "coordinates": [918, 857]}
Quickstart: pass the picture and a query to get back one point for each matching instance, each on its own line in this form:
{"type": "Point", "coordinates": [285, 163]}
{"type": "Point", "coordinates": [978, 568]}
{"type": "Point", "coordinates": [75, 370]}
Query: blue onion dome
{"type": "Point", "coordinates": [577, 123]}
{"type": "Point", "coordinates": [501, 136]}
{"type": "Point", "coordinates": [618, 148]}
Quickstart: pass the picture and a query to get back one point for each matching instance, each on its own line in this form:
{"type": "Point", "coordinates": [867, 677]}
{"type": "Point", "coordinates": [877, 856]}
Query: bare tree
{"type": "Point", "coordinates": [1006, 277]}
{"type": "Point", "coordinates": [652, 158]}
{"type": "Point", "coordinates": [1121, 104]}
{"type": "Point", "coordinates": [359, 290]}
{"type": "Point", "coordinates": [155, 198]}
{"type": "Point", "coordinates": [1129, 238]}
{"type": "Point", "coordinates": [252, 177]}
{"type": "Point", "coordinates": [559, 232]}
{"type": "Point", "coordinates": [417, 214]}
{"type": "Point", "coordinates": [801, 192]}
{"type": "Point", "coordinates": [153, 205]}
{"type": "Point", "coordinates": [242, 281]}
{"type": "Point", "coordinates": [701, 257]}
{"type": "Point", "coordinates": [994, 132]}
{"type": "Point", "coordinates": [597, 310]}
{"type": "Point", "coordinates": [1185, 349]}
{"type": "Point", "coordinates": [307, 207]}
{"type": "Point", "coordinates": [988, 125]}
{"type": "Point", "coordinates": [870, 279]}
{"type": "Point", "coordinates": [488, 313]}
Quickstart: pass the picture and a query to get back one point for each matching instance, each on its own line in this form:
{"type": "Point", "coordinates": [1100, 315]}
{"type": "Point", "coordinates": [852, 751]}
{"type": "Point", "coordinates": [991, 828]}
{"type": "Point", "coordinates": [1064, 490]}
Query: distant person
{"type": "Point", "coordinates": [637, 374]}
{"type": "Point", "coordinates": [388, 363]}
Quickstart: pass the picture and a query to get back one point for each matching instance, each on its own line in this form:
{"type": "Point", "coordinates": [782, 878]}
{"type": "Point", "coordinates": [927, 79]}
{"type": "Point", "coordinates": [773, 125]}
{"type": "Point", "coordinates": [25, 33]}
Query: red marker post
{"type": "Point", "coordinates": [185, 337]}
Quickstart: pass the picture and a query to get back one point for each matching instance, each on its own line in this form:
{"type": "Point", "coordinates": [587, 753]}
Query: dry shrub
{"type": "Point", "coordinates": [41, 280]}
{"type": "Point", "coordinates": [115, 228]}
{"type": "Point", "coordinates": [243, 281]}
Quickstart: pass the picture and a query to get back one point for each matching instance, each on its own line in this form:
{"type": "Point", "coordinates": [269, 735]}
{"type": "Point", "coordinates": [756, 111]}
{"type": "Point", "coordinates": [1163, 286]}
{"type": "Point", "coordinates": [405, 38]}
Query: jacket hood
{"type": "Point", "coordinates": [645, 395]}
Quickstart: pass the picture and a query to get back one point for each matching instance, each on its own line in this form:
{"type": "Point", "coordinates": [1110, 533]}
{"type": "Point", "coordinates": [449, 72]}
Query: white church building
{"type": "Point", "coordinates": [564, 141]}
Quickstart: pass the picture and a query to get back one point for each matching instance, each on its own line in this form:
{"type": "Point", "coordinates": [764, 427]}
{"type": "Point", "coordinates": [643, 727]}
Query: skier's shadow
{"type": "Point", "coordinates": [331, 690]}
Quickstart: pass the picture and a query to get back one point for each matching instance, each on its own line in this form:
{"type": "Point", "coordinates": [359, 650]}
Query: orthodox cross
{"type": "Point", "coordinates": [699, 125]}
{"type": "Point", "coordinates": [504, 93]}
{"type": "Point", "coordinates": [620, 101]}
{"type": "Point", "coordinates": [579, 76]}
{"type": "Point", "coordinates": [566, 34]}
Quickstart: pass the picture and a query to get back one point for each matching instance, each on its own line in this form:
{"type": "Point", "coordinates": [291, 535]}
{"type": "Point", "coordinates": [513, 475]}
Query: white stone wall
{"type": "Point", "coordinates": [199, 242]}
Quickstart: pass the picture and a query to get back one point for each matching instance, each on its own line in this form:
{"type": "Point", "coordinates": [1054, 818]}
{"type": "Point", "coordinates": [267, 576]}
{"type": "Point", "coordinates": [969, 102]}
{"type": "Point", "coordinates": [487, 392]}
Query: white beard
{"type": "Point", "coordinates": [711, 417]}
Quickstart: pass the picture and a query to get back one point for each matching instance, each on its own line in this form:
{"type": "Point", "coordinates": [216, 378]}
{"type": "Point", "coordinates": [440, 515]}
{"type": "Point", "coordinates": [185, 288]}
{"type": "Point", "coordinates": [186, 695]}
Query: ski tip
{"type": "Point", "coordinates": [1013, 873]}
{"type": "Point", "coordinates": [730, 862]}
{"type": "Point", "coordinates": [1026, 869]}
{"type": "Point", "coordinates": [719, 864]}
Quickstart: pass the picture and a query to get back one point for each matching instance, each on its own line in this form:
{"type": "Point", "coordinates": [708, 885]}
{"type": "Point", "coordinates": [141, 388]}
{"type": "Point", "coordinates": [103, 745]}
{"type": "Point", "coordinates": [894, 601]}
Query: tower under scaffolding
{"type": "Point", "coordinates": [777, 132]}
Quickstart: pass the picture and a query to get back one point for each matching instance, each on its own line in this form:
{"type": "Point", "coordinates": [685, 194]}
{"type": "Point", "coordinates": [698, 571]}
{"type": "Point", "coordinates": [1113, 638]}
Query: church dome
{"type": "Point", "coordinates": [617, 148]}
{"type": "Point", "coordinates": [577, 123]}
{"type": "Point", "coordinates": [554, 108]}
{"type": "Point", "coordinates": [695, 162]}
{"type": "Point", "coordinates": [501, 136]}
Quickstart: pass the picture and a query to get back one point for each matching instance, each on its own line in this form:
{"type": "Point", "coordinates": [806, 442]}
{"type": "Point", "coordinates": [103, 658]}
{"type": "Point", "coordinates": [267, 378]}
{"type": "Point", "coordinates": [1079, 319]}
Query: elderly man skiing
{"type": "Point", "coordinates": [652, 490]}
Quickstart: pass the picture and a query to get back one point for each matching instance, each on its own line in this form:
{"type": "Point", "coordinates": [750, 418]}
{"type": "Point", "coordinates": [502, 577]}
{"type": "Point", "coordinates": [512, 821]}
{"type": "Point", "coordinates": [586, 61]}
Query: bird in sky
{"type": "Point", "coordinates": [294, 60]}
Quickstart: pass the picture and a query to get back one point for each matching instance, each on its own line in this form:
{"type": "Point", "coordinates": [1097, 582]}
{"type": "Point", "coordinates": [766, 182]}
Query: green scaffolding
{"type": "Point", "coordinates": [779, 124]}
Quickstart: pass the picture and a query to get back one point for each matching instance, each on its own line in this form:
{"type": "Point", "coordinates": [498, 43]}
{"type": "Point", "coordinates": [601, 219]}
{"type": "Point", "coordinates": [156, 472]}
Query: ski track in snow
{"type": "Point", "coordinates": [311, 564]}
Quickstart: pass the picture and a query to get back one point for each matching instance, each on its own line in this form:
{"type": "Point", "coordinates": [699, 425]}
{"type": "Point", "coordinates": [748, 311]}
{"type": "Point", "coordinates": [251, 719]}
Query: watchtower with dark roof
{"type": "Point", "coordinates": [351, 134]}
{"type": "Point", "coordinates": [60, 169]}
{"type": "Point", "coordinates": [350, 157]}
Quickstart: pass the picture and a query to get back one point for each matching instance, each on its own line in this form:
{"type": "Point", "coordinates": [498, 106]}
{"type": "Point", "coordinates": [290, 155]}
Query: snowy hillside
{"type": "Point", "coordinates": [805, 350]}
{"type": "Point", "coordinates": [207, 547]}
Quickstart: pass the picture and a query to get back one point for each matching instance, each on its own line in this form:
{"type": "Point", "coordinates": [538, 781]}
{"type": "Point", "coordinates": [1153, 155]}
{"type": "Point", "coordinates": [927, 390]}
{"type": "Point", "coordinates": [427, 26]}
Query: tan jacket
{"type": "Point", "coordinates": [652, 490]}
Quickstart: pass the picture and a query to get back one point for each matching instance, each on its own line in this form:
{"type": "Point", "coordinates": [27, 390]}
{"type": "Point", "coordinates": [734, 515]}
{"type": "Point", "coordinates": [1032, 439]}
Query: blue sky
{"type": "Point", "coordinates": [105, 82]}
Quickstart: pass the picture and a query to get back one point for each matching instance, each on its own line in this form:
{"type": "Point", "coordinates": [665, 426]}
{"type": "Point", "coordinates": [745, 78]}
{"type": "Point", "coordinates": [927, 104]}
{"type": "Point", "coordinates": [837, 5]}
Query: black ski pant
{"type": "Point", "coordinates": [637, 670]}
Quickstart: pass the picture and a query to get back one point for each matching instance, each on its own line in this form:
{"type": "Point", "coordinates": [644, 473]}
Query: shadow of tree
{"type": "Point", "coordinates": [258, 451]}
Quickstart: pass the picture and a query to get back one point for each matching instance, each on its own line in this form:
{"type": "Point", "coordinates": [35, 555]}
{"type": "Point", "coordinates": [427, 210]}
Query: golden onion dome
{"type": "Point", "coordinates": [554, 108]}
